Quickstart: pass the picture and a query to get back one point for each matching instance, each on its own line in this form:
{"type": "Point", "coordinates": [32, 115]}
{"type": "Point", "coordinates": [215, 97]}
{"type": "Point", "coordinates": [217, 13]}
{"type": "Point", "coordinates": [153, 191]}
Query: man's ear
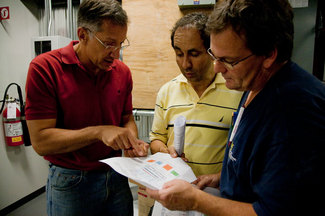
{"type": "Point", "coordinates": [83, 34]}
{"type": "Point", "coordinates": [269, 60]}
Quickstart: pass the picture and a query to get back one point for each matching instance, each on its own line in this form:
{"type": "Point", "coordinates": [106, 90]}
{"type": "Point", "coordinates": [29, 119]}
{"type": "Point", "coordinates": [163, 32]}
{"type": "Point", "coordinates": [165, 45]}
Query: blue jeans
{"type": "Point", "coordinates": [74, 192]}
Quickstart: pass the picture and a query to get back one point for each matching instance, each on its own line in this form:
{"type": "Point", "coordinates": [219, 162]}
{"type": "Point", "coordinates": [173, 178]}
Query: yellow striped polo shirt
{"type": "Point", "coordinates": [208, 120]}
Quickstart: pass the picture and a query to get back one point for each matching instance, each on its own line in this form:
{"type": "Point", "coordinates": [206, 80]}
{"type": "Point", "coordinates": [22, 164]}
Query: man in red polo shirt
{"type": "Point", "coordinates": [79, 111]}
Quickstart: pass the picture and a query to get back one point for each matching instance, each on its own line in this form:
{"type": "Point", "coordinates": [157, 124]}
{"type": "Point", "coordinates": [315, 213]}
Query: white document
{"type": "Point", "coordinates": [179, 134]}
{"type": "Point", "coordinates": [11, 110]}
{"type": "Point", "coordinates": [159, 210]}
{"type": "Point", "coordinates": [152, 171]}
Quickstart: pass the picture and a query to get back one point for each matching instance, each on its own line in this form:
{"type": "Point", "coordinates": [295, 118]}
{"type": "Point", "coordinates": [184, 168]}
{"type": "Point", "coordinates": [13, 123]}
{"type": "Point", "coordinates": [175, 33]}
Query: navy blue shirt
{"type": "Point", "coordinates": [275, 159]}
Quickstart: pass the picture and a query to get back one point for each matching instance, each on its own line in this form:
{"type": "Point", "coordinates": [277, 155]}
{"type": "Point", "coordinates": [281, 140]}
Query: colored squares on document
{"type": "Point", "coordinates": [167, 167]}
{"type": "Point", "coordinates": [157, 162]}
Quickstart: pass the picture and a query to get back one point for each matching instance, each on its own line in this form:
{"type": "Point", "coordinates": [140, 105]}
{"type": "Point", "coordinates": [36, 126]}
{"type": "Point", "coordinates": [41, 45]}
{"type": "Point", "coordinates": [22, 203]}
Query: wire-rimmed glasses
{"type": "Point", "coordinates": [112, 48]}
{"type": "Point", "coordinates": [227, 64]}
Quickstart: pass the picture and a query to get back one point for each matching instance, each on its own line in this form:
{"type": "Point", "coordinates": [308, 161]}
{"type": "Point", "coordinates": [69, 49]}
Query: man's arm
{"type": "Point", "coordinates": [212, 205]}
{"type": "Point", "coordinates": [158, 146]}
{"type": "Point", "coordinates": [47, 140]}
{"type": "Point", "coordinates": [180, 195]}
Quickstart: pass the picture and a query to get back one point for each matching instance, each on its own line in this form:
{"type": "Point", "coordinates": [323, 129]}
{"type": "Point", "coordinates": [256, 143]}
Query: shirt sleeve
{"type": "Point", "coordinates": [40, 91]}
{"type": "Point", "coordinates": [128, 99]}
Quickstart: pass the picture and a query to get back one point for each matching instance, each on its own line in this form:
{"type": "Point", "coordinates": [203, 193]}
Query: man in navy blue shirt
{"type": "Point", "coordinates": [272, 164]}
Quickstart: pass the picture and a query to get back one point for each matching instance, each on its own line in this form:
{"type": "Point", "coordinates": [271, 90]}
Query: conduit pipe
{"type": "Point", "coordinates": [70, 24]}
{"type": "Point", "coordinates": [48, 15]}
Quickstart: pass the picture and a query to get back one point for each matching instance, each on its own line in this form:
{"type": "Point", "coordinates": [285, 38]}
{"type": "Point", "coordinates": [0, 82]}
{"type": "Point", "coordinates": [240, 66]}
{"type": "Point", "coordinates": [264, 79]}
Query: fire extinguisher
{"type": "Point", "coordinates": [13, 129]}
{"type": "Point", "coordinates": [14, 122]}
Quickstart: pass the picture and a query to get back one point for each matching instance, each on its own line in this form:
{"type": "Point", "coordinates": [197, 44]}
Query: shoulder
{"type": "Point", "coordinates": [173, 84]}
{"type": "Point", "coordinates": [295, 85]}
{"type": "Point", "coordinates": [46, 64]}
{"type": "Point", "coordinates": [64, 55]}
{"type": "Point", "coordinates": [294, 96]}
{"type": "Point", "coordinates": [51, 56]}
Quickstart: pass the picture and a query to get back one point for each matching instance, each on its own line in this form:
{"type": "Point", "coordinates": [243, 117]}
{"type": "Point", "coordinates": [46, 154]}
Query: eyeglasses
{"type": "Point", "coordinates": [112, 48]}
{"type": "Point", "coordinates": [227, 64]}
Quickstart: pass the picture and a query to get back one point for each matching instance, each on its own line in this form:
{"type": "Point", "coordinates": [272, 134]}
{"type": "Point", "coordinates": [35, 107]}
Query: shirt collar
{"type": "Point", "coordinates": [69, 56]}
{"type": "Point", "coordinates": [217, 80]}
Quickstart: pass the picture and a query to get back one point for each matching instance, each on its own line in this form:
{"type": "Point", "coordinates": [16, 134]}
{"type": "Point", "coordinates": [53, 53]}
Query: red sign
{"type": "Point", "coordinates": [4, 13]}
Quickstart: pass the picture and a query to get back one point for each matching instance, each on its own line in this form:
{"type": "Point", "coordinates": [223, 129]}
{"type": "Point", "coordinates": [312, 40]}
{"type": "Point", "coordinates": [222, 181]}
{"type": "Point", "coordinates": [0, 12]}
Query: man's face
{"type": "Point", "coordinates": [191, 56]}
{"type": "Point", "coordinates": [110, 34]}
{"type": "Point", "coordinates": [229, 46]}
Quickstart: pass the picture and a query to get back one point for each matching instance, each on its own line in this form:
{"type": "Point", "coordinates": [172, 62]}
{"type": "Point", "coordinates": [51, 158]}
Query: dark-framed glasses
{"type": "Point", "coordinates": [227, 64]}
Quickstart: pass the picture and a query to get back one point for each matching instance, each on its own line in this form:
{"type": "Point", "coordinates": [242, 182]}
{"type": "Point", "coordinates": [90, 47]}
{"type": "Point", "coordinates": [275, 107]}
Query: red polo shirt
{"type": "Point", "coordinates": [58, 86]}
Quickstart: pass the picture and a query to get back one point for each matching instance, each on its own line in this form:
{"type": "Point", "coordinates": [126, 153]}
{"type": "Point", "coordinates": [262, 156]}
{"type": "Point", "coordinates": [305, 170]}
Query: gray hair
{"type": "Point", "coordinates": [91, 13]}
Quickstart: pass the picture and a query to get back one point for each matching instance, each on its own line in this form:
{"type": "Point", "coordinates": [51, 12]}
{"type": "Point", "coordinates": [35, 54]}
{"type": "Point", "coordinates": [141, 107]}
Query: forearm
{"type": "Point", "coordinates": [47, 139]}
{"type": "Point", "coordinates": [212, 205]}
{"type": "Point", "coordinates": [56, 141]}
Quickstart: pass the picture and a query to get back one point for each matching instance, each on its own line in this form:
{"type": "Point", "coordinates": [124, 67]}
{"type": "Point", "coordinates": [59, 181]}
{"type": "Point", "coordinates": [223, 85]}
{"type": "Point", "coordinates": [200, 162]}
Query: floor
{"type": "Point", "coordinates": [37, 206]}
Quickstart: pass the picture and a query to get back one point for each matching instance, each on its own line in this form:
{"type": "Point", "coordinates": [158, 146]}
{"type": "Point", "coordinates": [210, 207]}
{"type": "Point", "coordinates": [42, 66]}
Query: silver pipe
{"type": "Point", "coordinates": [143, 112]}
{"type": "Point", "coordinates": [70, 24]}
{"type": "Point", "coordinates": [48, 13]}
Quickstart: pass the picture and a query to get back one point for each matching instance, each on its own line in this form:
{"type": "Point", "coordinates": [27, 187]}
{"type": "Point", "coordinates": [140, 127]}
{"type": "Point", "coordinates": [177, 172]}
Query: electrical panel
{"type": "Point", "coordinates": [47, 43]}
{"type": "Point", "coordinates": [195, 3]}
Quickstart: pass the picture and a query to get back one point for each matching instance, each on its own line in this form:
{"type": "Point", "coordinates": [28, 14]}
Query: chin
{"type": "Point", "coordinates": [106, 65]}
{"type": "Point", "coordinates": [232, 86]}
{"type": "Point", "coordinates": [229, 84]}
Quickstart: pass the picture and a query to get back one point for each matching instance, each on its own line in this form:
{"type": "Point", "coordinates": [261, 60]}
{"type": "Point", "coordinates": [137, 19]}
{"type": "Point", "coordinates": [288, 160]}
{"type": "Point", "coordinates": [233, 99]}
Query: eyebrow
{"type": "Point", "coordinates": [111, 40]}
{"type": "Point", "coordinates": [190, 50]}
{"type": "Point", "coordinates": [225, 57]}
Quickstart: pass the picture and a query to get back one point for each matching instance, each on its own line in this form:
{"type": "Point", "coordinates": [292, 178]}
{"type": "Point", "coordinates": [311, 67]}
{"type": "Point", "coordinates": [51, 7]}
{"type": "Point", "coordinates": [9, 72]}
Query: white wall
{"type": "Point", "coordinates": [22, 171]}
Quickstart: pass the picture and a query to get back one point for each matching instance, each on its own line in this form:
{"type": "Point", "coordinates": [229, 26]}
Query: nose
{"type": "Point", "coordinates": [186, 63]}
{"type": "Point", "coordinates": [115, 53]}
{"type": "Point", "coordinates": [219, 67]}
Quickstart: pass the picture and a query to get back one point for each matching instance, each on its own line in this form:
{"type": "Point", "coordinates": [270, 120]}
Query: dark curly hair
{"type": "Point", "coordinates": [197, 20]}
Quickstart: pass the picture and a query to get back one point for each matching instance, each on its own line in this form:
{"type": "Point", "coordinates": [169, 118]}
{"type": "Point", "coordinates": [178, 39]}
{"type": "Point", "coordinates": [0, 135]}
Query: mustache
{"type": "Point", "coordinates": [188, 71]}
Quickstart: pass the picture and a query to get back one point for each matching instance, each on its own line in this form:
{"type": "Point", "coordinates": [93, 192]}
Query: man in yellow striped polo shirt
{"type": "Point", "coordinates": [199, 95]}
